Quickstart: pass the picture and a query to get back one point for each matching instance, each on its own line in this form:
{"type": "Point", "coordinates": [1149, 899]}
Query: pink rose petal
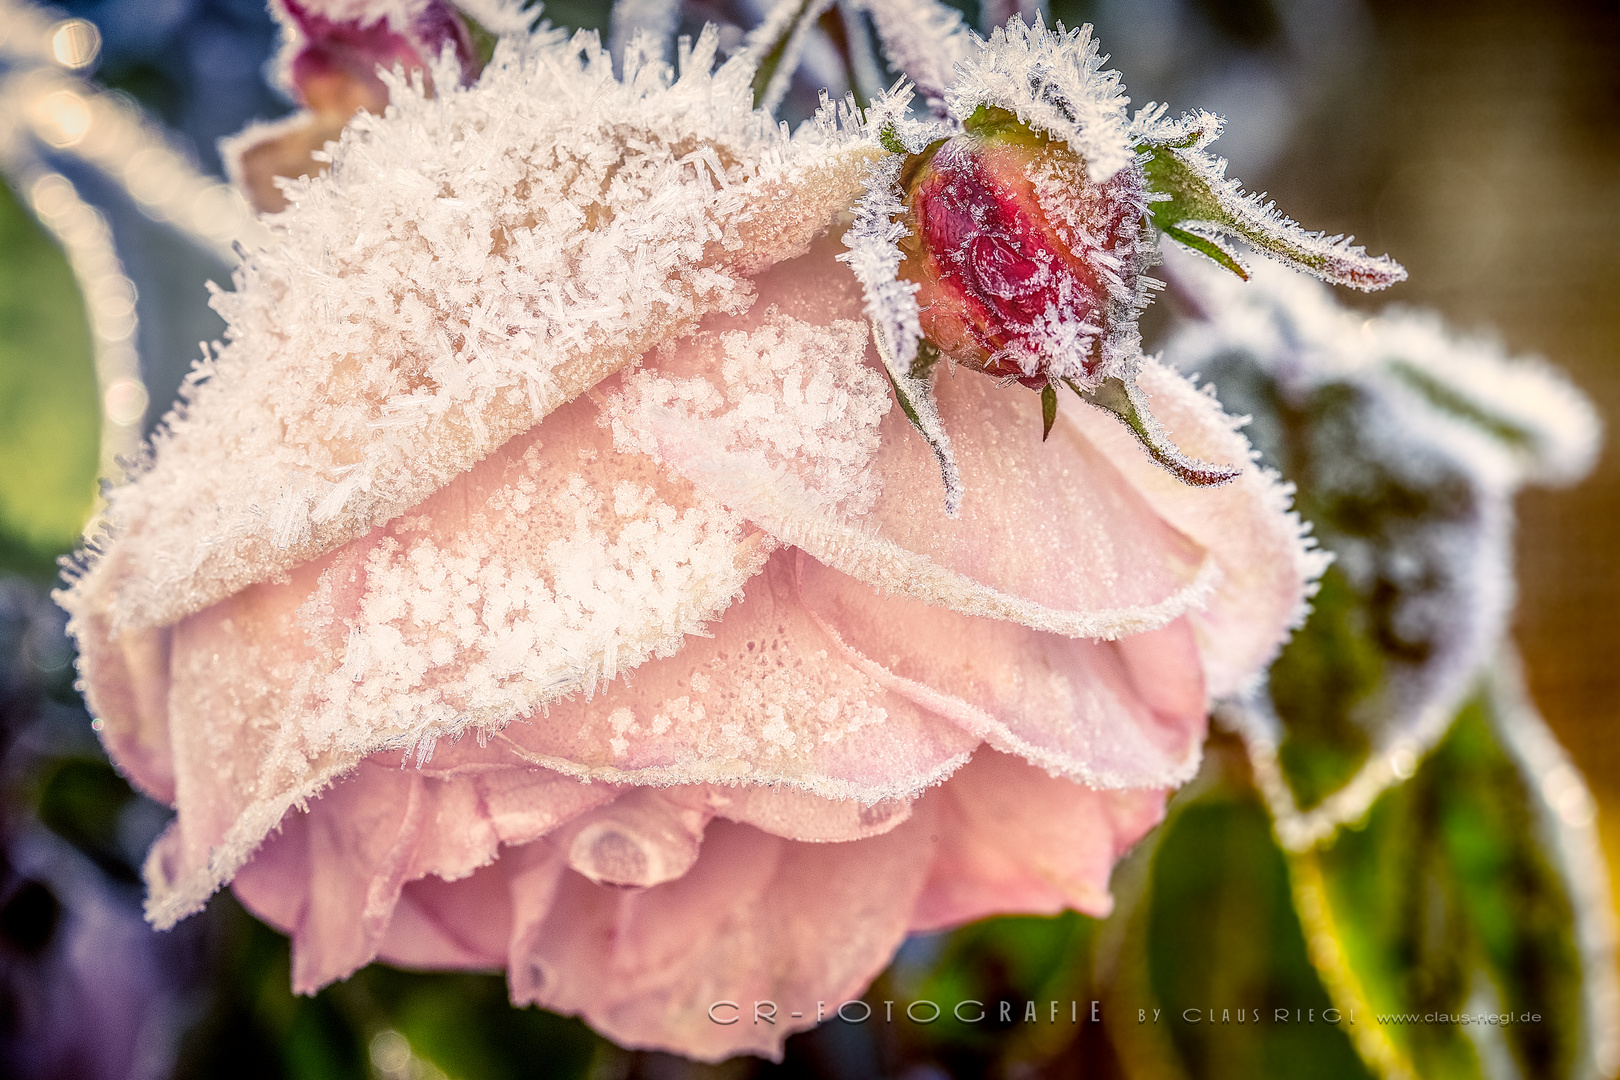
{"type": "Point", "coordinates": [757, 918]}
{"type": "Point", "coordinates": [1013, 839]}
{"type": "Point", "coordinates": [1051, 534]}
{"type": "Point", "coordinates": [332, 410]}
{"type": "Point", "coordinates": [753, 917]}
{"type": "Point", "coordinates": [1267, 568]}
{"type": "Point", "coordinates": [332, 876]}
{"type": "Point", "coordinates": [468, 612]}
{"type": "Point", "coordinates": [1110, 714]}
{"type": "Point", "coordinates": [763, 701]}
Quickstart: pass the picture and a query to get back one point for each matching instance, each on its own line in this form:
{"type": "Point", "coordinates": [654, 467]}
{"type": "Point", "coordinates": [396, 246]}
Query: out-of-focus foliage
{"type": "Point", "coordinates": [48, 404]}
{"type": "Point", "coordinates": [1446, 901]}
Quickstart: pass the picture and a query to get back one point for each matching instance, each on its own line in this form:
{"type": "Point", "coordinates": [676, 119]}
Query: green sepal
{"type": "Point", "coordinates": [1002, 125]}
{"type": "Point", "coordinates": [1048, 410]}
{"type": "Point", "coordinates": [1113, 395]}
{"type": "Point", "coordinates": [1217, 254]}
{"type": "Point", "coordinates": [928, 355]}
{"type": "Point", "coordinates": [889, 139]}
{"type": "Point", "coordinates": [1189, 198]}
{"type": "Point", "coordinates": [771, 58]}
{"type": "Point", "coordinates": [915, 397]}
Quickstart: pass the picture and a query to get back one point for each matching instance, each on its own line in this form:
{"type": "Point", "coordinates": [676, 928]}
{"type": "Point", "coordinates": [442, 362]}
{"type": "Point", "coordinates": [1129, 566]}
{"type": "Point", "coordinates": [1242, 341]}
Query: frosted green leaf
{"type": "Point", "coordinates": [1459, 897]}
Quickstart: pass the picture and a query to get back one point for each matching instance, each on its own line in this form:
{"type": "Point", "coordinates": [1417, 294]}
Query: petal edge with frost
{"type": "Point", "coordinates": [489, 275]}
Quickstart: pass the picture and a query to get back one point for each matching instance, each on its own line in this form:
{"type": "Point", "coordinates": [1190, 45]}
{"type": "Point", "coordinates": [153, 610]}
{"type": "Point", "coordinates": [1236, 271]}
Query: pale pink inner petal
{"type": "Point", "coordinates": [763, 700]}
{"type": "Point", "coordinates": [1111, 714]}
{"type": "Point", "coordinates": [332, 876]}
{"type": "Point", "coordinates": [1050, 534]}
{"type": "Point", "coordinates": [794, 815]}
{"type": "Point", "coordinates": [756, 918]}
{"type": "Point", "coordinates": [1014, 839]}
{"type": "Point", "coordinates": [1266, 567]}
{"type": "Point", "coordinates": [640, 839]}
{"type": "Point", "coordinates": [401, 863]}
{"type": "Point", "coordinates": [439, 924]}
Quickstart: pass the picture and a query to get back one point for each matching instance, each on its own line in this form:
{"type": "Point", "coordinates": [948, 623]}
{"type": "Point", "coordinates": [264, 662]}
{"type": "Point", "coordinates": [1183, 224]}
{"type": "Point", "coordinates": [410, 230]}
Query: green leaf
{"type": "Point", "coordinates": [1453, 401]}
{"type": "Point", "coordinates": [1400, 618]}
{"type": "Point", "coordinates": [1447, 902]}
{"type": "Point", "coordinates": [49, 410]}
{"type": "Point", "coordinates": [1009, 961]}
{"type": "Point", "coordinates": [1226, 957]}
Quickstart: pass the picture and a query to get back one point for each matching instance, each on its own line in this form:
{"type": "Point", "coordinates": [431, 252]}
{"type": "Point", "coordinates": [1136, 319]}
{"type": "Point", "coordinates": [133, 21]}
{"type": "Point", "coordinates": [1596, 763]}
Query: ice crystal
{"type": "Point", "coordinates": [793, 396]}
{"type": "Point", "coordinates": [653, 21]}
{"type": "Point", "coordinates": [539, 605]}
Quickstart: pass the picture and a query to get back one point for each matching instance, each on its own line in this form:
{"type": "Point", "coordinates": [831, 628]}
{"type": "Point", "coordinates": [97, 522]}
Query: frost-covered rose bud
{"type": "Point", "coordinates": [1017, 254]}
{"type": "Point", "coordinates": [1014, 236]}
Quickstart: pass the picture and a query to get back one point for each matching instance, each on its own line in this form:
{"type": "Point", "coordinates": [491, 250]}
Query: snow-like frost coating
{"type": "Point", "coordinates": [1449, 418]}
{"type": "Point", "coordinates": [501, 248]}
{"type": "Point", "coordinates": [1053, 82]}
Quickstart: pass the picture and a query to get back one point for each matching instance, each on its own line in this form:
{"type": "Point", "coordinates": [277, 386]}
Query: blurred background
{"type": "Point", "coordinates": [1477, 142]}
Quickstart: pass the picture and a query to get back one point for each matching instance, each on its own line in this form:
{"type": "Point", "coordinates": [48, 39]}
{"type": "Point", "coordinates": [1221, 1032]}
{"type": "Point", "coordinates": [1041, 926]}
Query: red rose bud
{"type": "Point", "coordinates": [1019, 257]}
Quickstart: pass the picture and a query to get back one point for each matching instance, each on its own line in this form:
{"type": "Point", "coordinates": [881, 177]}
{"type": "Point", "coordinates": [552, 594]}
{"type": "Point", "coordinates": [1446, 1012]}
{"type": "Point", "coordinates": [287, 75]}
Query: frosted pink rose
{"type": "Point", "coordinates": [542, 579]}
